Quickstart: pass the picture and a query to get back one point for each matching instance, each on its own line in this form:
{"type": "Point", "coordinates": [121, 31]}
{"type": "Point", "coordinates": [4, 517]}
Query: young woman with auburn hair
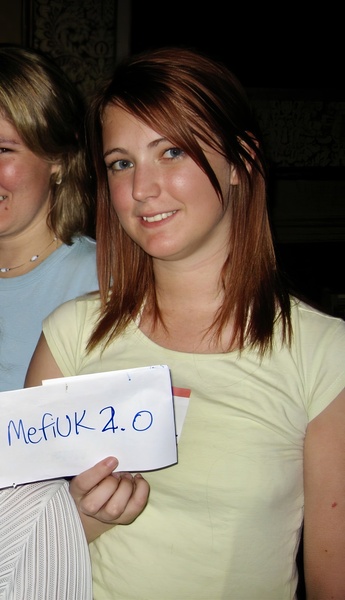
{"type": "Point", "coordinates": [188, 278]}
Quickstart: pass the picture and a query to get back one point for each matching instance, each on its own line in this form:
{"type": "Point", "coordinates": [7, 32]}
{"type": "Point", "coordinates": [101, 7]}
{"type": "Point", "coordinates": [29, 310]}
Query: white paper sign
{"type": "Point", "coordinates": [66, 425]}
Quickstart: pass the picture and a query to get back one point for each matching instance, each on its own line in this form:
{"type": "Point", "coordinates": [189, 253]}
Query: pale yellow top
{"type": "Point", "coordinates": [224, 523]}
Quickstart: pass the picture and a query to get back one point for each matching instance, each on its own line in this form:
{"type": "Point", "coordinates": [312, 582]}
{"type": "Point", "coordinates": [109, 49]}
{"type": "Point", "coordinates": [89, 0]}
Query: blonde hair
{"type": "Point", "coordinates": [48, 113]}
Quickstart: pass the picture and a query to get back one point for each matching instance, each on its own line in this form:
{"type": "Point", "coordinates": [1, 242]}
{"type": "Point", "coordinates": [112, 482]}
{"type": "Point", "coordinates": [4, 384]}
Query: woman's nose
{"type": "Point", "coordinates": [145, 183]}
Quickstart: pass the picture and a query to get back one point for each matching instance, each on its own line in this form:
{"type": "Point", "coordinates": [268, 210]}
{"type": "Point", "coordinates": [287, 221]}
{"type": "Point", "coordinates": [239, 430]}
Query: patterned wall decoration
{"type": "Point", "coordinates": [80, 36]}
{"type": "Point", "coordinates": [302, 132]}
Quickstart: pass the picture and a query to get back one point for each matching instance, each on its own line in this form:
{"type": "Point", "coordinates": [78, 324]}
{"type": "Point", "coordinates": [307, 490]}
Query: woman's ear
{"type": "Point", "coordinates": [233, 176]}
{"type": "Point", "coordinates": [249, 150]}
{"type": "Point", "coordinates": [234, 179]}
{"type": "Point", "coordinates": [57, 174]}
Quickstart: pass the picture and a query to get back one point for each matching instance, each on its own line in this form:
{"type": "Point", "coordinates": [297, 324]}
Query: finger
{"type": "Point", "coordinates": [137, 501]}
{"type": "Point", "coordinates": [87, 480]}
{"type": "Point", "coordinates": [95, 503]}
{"type": "Point", "coordinates": [128, 501]}
{"type": "Point", "coordinates": [118, 499]}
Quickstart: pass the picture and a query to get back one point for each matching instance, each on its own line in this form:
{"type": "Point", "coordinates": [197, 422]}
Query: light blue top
{"type": "Point", "coordinates": [26, 300]}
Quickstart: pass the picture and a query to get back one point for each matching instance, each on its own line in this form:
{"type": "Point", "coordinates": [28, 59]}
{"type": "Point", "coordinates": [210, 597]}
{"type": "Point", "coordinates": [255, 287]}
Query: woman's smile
{"type": "Point", "coordinates": [159, 217]}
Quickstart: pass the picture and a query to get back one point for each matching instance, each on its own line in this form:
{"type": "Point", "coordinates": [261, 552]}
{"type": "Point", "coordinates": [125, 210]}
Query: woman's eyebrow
{"type": "Point", "coordinates": [8, 141]}
{"type": "Point", "coordinates": [121, 150]}
{"type": "Point", "coordinates": [113, 151]}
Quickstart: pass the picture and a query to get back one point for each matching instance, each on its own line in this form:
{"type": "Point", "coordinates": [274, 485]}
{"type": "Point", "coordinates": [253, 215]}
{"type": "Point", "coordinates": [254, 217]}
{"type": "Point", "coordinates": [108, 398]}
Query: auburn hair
{"type": "Point", "coordinates": [188, 97]}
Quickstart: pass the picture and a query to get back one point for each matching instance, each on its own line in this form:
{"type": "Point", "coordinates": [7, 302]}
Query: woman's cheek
{"type": "Point", "coordinates": [120, 195]}
{"type": "Point", "coordinates": [10, 175]}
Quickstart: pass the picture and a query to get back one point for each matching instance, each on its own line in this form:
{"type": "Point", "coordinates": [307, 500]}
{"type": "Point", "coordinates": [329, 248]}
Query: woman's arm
{"type": "Point", "coordinates": [42, 365]}
{"type": "Point", "coordinates": [103, 498]}
{"type": "Point", "coordinates": [324, 517]}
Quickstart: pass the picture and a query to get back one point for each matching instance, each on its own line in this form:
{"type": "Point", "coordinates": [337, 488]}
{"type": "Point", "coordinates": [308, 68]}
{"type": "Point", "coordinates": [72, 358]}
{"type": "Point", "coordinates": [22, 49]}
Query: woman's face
{"type": "Point", "coordinates": [24, 183]}
{"type": "Point", "coordinates": [164, 201]}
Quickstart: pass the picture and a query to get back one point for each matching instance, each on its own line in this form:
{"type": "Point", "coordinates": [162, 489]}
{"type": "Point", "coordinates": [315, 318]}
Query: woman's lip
{"type": "Point", "coordinates": [159, 217]}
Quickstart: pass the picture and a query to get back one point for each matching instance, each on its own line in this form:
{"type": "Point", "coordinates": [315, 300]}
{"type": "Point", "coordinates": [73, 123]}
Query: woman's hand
{"type": "Point", "coordinates": [105, 499]}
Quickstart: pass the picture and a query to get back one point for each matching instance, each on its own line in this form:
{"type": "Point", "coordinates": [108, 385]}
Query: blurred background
{"type": "Point", "coordinates": [290, 63]}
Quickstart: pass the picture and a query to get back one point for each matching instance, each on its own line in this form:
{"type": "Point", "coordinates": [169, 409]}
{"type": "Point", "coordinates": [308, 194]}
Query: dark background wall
{"type": "Point", "coordinates": [288, 57]}
{"type": "Point", "coordinates": [286, 46]}
{"type": "Point", "coordinates": [289, 61]}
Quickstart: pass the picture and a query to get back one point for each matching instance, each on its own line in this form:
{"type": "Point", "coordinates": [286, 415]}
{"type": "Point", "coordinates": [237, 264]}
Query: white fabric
{"type": "Point", "coordinates": [43, 550]}
{"type": "Point", "coordinates": [224, 523]}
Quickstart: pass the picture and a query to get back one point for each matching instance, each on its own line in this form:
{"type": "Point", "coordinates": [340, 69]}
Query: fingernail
{"type": "Point", "coordinates": [111, 461]}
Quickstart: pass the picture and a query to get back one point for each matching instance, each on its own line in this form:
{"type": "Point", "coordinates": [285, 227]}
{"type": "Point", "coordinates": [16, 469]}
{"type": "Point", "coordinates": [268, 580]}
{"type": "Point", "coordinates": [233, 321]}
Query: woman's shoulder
{"type": "Point", "coordinates": [85, 306]}
{"type": "Point", "coordinates": [316, 326]}
{"type": "Point", "coordinates": [302, 310]}
{"type": "Point", "coordinates": [85, 245]}
{"type": "Point", "coordinates": [82, 251]}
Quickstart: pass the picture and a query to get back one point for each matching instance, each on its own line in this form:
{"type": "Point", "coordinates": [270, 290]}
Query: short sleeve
{"type": "Point", "coordinates": [67, 330]}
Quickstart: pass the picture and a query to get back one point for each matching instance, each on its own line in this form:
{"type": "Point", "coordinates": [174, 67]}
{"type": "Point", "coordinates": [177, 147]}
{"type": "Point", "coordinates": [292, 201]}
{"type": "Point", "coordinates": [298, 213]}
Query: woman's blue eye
{"type": "Point", "coordinates": [120, 165]}
{"type": "Point", "coordinates": [174, 152]}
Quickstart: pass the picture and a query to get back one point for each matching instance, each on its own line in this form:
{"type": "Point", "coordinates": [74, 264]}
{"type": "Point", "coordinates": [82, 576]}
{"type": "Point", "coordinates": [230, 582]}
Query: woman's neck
{"type": "Point", "coordinates": [22, 253]}
{"type": "Point", "coordinates": [187, 284]}
{"type": "Point", "coordinates": [189, 299]}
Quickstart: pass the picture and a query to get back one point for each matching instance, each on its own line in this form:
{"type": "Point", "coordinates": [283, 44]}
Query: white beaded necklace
{"type": "Point", "coordinates": [32, 259]}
